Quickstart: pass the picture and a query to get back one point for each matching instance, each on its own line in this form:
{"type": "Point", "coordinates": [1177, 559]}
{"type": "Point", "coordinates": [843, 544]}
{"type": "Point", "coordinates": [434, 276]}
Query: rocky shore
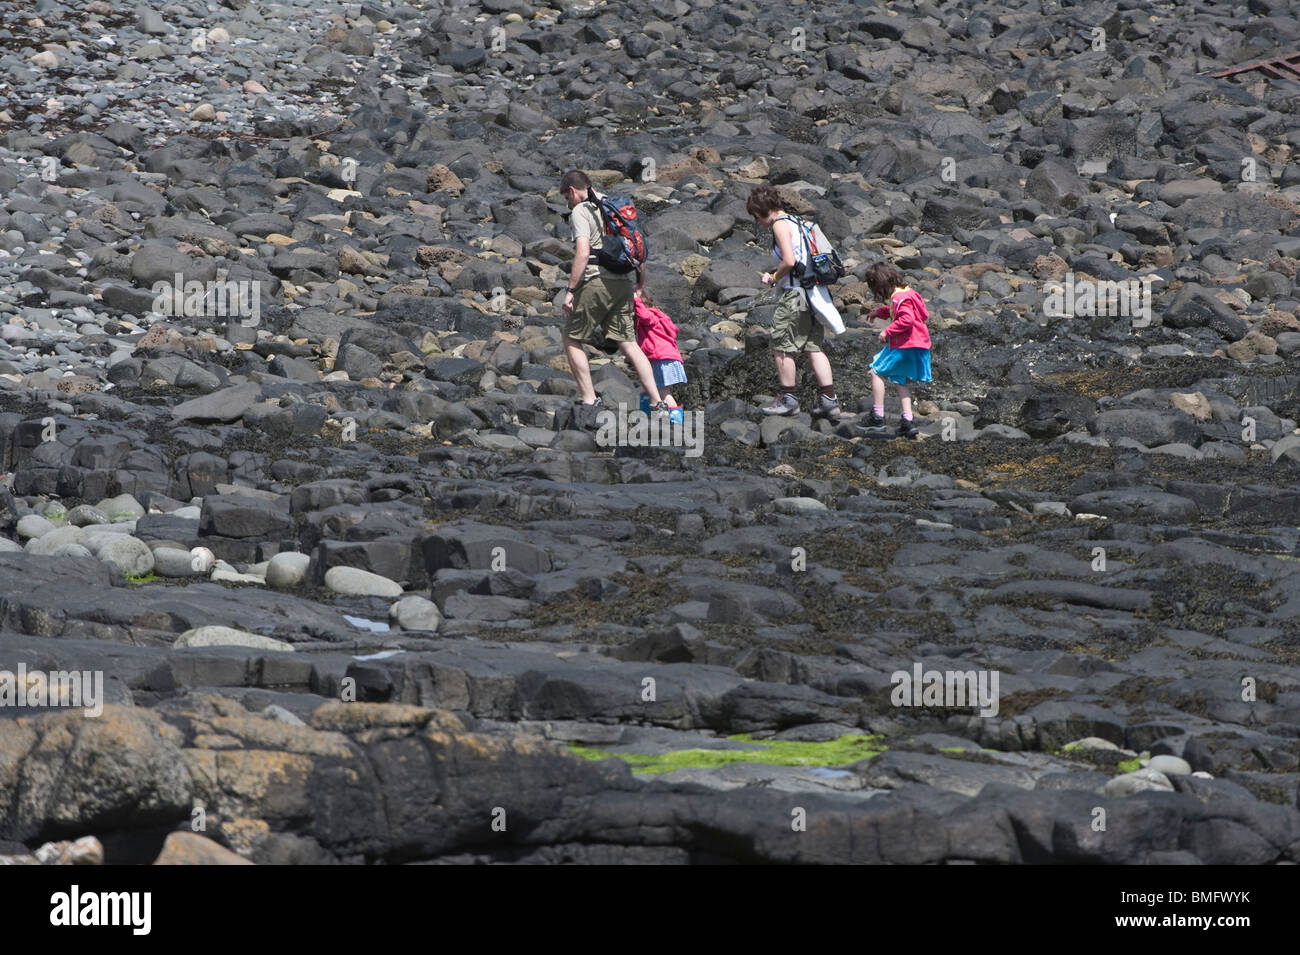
{"type": "Point", "coordinates": [289, 453]}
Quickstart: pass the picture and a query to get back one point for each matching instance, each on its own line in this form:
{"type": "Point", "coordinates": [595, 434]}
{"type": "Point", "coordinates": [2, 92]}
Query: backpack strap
{"type": "Point", "coordinates": [600, 209]}
{"type": "Point", "coordinates": [803, 234]}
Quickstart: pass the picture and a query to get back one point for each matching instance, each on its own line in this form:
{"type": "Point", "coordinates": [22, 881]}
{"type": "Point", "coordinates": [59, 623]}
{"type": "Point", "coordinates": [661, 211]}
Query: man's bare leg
{"type": "Point", "coordinates": [581, 369]}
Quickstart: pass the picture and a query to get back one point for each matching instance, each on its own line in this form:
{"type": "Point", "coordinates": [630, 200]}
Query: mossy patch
{"type": "Point", "coordinates": [145, 579]}
{"type": "Point", "coordinates": [1129, 765]}
{"type": "Point", "coordinates": [777, 752]}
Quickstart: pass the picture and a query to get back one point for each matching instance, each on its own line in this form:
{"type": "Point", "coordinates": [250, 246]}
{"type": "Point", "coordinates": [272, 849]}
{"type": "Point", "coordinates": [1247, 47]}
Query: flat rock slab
{"type": "Point", "coordinates": [226, 405]}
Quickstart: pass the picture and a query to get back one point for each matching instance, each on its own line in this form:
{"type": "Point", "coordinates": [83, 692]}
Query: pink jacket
{"type": "Point", "coordinates": [656, 333]}
{"type": "Point", "coordinates": [908, 329]}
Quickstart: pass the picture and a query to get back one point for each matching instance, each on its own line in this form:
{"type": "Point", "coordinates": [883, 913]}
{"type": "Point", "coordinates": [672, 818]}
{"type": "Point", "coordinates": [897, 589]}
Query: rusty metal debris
{"type": "Point", "coordinates": [1284, 67]}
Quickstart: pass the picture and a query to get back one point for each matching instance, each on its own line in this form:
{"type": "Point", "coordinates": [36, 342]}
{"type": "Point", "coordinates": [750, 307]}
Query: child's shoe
{"type": "Point", "coordinates": [907, 429]}
{"type": "Point", "coordinates": [875, 424]}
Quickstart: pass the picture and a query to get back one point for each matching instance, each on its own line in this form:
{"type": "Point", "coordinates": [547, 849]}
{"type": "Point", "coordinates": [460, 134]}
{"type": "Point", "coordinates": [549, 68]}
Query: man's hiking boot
{"type": "Point", "coordinates": [785, 404]}
{"type": "Point", "coordinates": [827, 407]}
{"type": "Point", "coordinates": [874, 424]}
{"type": "Point", "coordinates": [907, 429]}
{"type": "Point", "coordinates": [584, 415]}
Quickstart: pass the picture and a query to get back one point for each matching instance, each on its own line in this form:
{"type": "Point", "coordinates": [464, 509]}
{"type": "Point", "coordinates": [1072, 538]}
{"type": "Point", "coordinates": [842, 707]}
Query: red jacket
{"type": "Point", "coordinates": [908, 329]}
{"type": "Point", "coordinates": [656, 333]}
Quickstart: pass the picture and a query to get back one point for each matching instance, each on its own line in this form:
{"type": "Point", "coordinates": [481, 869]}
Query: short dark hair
{"type": "Point", "coordinates": [883, 278]}
{"type": "Point", "coordinates": [575, 179]}
{"type": "Point", "coordinates": [763, 201]}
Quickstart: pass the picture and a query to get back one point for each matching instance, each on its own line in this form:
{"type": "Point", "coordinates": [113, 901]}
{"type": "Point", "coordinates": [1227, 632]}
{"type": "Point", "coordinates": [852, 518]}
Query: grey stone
{"type": "Point", "coordinates": [352, 582]}
{"type": "Point", "coordinates": [415, 613]}
{"type": "Point", "coordinates": [173, 562]}
{"type": "Point", "coordinates": [1169, 765]}
{"type": "Point", "coordinates": [124, 506]}
{"type": "Point", "coordinates": [217, 636]}
{"type": "Point", "coordinates": [287, 570]}
{"type": "Point", "coordinates": [1143, 780]}
{"type": "Point", "coordinates": [131, 555]}
{"type": "Point", "coordinates": [47, 544]}
{"type": "Point", "coordinates": [33, 525]}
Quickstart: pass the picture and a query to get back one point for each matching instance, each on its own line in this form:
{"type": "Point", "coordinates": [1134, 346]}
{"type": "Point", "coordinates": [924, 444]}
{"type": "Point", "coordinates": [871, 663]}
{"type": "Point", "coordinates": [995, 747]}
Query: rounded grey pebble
{"type": "Point", "coordinates": [415, 613]}
{"type": "Point", "coordinates": [1143, 780]}
{"type": "Point", "coordinates": [287, 570]}
{"type": "Point", "coordinates": [173, 562]}
{"type": "Point", "coordinates": [131, 555]}
{"type": "Point", "coordinates": [1170, 765]}
{"type": "Point", "coordinates": [33, 525]}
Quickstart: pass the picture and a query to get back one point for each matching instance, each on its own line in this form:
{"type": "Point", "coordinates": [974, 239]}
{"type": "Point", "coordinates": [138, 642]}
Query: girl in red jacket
{"type": "Point", "coordinates": [906, 355]}
{"type": "Point", "coordinates": [657, 336]}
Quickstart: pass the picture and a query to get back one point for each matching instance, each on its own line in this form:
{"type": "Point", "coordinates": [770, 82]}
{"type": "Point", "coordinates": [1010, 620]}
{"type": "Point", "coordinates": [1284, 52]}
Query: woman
{"type": "Point", "coordinates": [794, 329]}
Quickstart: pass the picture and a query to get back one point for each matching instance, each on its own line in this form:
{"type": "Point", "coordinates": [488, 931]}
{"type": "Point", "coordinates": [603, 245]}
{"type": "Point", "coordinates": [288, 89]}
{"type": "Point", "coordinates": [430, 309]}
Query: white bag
{"type": "Point", "coordinates": [824, 310]}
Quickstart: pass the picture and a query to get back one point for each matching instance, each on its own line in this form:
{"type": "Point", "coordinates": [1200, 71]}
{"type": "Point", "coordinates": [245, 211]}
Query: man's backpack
{"type": "Point", "coordinates": [623, 248]}
{"type": "Point", "coordinates": [824, 265]}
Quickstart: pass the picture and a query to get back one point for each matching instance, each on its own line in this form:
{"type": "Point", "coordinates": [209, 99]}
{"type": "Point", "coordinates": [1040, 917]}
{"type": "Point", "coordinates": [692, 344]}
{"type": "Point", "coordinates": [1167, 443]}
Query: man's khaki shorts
{"type": "Point", "coordinates": [793, 327]}
{"type": "Point", "coordinates": [603, 309]}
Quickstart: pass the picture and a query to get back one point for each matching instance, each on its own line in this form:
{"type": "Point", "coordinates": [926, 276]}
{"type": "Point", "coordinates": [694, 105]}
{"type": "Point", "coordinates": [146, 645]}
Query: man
{"type": "Point", "coordinates": [794, 329]}
{"type": "Point", "coordinates": [599, 303]}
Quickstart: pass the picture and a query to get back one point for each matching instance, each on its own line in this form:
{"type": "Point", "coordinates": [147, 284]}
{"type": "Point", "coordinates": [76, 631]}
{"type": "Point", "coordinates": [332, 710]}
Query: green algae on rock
{"type": "Point", "coordinates": [837, 752]}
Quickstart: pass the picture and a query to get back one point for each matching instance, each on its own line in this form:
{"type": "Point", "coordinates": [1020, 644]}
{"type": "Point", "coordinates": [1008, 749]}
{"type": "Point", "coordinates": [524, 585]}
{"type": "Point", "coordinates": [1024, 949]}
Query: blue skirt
{"type": "Point", "coordinates": [901, 365]}
{"type": "Point", "coordinates": [667, 373]}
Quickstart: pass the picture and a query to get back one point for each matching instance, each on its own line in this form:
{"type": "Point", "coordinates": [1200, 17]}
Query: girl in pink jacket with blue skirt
{"type": "Point", "coordinates": [906, 355]}
{"type": "Point", "coordinates": [657, 336]}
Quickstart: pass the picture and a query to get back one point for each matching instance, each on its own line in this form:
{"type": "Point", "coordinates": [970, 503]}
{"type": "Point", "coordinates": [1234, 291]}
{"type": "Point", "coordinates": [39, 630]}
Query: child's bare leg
{"type": "Point", "coordinates": [905, 399]}
{"type": "Point", "coordinates": [669, 398]}
{"type": "Point", "coordinates": [877, 390]}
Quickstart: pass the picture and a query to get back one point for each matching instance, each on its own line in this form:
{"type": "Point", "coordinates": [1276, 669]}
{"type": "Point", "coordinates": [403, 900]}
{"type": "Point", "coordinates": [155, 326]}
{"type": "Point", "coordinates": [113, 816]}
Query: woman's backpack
{"type": "Point", "coordinates": [824, 265]}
